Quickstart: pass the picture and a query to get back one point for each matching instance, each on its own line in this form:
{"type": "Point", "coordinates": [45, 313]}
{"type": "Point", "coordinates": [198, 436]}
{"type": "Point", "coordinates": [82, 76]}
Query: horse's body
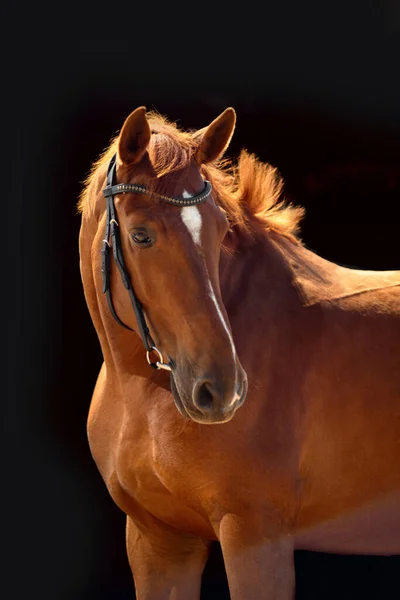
{"type": "Point", "coordinates": [312, 458]}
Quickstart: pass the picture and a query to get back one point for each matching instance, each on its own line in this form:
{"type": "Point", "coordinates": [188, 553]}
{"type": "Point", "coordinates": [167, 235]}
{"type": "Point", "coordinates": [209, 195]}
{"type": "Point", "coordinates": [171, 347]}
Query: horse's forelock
{"type": "Point", "coordinates": [168, 154]}
{"type": "Point", "coordinates": [248, 188]}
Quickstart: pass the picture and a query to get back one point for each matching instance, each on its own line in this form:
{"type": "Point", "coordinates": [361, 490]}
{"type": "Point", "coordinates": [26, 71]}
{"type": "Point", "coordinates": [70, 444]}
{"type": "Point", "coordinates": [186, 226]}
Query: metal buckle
{"type": "Point", "coordinates": [159, 364]}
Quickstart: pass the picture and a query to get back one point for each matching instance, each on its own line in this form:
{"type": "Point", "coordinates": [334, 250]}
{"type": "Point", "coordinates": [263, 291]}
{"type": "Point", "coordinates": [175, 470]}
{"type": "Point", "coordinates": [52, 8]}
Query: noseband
{"type": "Point", "coordinates": [112, 231]}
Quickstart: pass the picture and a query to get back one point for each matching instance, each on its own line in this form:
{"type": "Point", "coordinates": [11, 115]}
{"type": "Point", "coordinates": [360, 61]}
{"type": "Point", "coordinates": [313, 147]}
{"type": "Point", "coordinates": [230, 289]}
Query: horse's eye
{"type": "Point", "coordinates": [141, 237]}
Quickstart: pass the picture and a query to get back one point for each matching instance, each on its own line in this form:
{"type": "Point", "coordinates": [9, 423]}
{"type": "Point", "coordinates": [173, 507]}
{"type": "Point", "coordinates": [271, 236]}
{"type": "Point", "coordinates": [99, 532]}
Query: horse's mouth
{"type": "Point", "coordinates": [194, 414]}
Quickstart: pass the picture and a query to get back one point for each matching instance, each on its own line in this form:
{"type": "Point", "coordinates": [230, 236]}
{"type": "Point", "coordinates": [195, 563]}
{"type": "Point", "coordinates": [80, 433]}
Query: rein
{"type": "Point", "coordinates": [112, 231]}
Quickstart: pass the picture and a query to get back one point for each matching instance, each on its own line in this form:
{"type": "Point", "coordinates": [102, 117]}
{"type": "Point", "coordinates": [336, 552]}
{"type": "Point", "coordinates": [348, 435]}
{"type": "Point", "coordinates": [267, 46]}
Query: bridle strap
{"type": "Point", "coordinates": [112, 229]}
{"type": "Point", "coordinates": [112, 232]}
{"type": "Point", "coordinates": [124, 188]}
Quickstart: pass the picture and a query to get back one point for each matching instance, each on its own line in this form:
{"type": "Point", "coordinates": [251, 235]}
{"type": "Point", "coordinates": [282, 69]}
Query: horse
{"type": "Point", "coordinates": [250, 389]}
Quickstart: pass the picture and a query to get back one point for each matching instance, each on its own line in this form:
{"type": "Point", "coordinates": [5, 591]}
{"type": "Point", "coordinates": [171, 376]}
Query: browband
{"type": "Point", "coordinates": [124, 188]}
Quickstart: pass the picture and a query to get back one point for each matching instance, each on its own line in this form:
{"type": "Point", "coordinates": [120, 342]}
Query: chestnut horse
{"type": "Point", "coordinates": [211, 311]}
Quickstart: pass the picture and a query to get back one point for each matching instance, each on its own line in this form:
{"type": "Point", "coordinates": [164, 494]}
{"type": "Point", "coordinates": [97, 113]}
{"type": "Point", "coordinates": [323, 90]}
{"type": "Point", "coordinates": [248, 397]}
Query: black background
{"type": "Point", "coordinates": [316, 90]}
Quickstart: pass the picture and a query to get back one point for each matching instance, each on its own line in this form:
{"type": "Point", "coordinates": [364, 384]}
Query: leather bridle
{"type": "Point", "coordinates": [112, 232]}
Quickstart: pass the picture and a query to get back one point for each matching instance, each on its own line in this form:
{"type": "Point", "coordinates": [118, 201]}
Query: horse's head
{"type": "Point", "coordinates": [172, 254]}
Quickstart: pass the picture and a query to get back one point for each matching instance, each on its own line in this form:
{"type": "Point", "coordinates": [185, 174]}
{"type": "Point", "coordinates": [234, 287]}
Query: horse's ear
{"type": "Point", "coordinates": [134, 137]}
{"type": "Point", "coordinates": [215, 138]}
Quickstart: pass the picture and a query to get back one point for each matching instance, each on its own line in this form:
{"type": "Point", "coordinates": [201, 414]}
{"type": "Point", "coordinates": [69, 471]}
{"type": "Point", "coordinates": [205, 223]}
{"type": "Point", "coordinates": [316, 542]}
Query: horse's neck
{"type": "Point", "coordinates": [254, 267]}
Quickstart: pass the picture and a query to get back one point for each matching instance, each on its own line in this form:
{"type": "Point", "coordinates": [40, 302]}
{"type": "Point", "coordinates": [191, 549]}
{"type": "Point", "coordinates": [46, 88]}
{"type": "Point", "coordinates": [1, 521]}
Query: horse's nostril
{"type": "Point", "coordinates": [203, 397]}
{"type": "Point", "coordinates": [212, 397]}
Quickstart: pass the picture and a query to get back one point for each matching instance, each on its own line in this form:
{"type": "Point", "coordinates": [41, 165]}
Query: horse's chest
{"type": "Point", "coordinates": [140, 478]}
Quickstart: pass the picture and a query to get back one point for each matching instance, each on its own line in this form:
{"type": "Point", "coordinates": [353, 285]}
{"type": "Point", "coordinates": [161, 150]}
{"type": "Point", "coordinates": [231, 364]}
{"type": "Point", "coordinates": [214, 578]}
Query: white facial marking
{"type": "Point", "coordinates": [192, 218]}
{"type": "Point", "coordinates": [221, 316]}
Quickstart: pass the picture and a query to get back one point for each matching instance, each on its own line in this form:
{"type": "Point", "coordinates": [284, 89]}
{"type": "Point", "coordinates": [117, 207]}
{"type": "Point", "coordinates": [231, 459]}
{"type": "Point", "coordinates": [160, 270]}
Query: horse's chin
{"type": "Point", "coordinates": [192, 413]}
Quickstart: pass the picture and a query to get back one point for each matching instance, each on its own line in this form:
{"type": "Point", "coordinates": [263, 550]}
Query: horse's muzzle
{"type": "Point", "coordinates": [212, 401]}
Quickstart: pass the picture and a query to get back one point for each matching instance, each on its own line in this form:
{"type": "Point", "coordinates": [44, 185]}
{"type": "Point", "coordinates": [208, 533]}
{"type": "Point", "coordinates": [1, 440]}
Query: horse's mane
{"type": "Point", "coordinates": [247, 189]}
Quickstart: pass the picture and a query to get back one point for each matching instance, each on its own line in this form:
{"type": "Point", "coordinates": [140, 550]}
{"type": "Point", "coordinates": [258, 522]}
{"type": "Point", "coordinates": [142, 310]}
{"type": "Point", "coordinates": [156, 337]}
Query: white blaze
{"type": "Point", "coordinates": [221, 316]}
{"type": "Point", "coordinates": [192, 218]}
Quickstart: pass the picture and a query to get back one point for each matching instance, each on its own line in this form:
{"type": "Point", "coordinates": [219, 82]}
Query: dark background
{"type": "Point", "coordinates": [317, 94]}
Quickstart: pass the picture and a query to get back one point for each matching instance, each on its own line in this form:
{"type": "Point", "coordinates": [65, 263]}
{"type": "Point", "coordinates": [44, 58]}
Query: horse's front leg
{"type": "Point", "coordinates": [257, 568]}
{"type": "Point", "coordinates": [166, 565]}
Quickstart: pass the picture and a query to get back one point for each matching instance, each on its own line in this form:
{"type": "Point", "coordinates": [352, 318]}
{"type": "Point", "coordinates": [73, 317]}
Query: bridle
{"type": "Point", "coordinates": [112, 230]}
